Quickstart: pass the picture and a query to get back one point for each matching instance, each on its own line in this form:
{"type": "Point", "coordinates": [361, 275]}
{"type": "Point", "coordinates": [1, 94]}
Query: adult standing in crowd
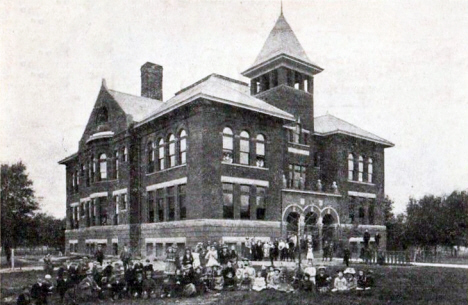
{"type": "Point", "coordinates": [99, 255]}
{"type": "Point", "coordinates": [125, 257]}
{"type": "Point", "coordinates": [366, 239]}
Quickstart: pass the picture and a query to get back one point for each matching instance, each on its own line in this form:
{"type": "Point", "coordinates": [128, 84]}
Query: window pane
{"type": "Point", "coordinates": [244, 158]}
{"type": "Point", "coordinates": [228, 142]}
{"type": "Point", "coordinates": [260, 149]}
{"type": "Point", "coordinates": [244, 145]}
{"type": "Point", "coordinates": [228, 209]}
{"type": "Point", "coordinates": [245, 202]}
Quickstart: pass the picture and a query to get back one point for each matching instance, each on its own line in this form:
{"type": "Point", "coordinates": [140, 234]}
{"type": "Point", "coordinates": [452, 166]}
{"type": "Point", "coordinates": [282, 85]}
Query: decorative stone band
{"type": "Point", "coordinates": [115, 240]}
{"type": "Point", "coordinates": [119, 192]}
{"type": "Point", "coordinates": [241, 239]}
{"type": "Point", "coordinates": [166, 184]}
{"type": "Point", "coordinates": [97, 195]}
{"type": "Point", "coordinates": [213, 223]}
{"type": "Point", "coordinates": [166, 240]}
{"type": "Point", "coordinates": [311, 192]}
{"type": "Point", "coordinates": [360, 239]}
{"type": "Point", "coordinates": [99, 228]}
{"type": "Point", "coordinates": [360, 194]}
{"type": "Point", "coordinates": [298, 151]}
{"type": "Point", "coordinates": [371, 227]}
{"type": "Point", "coordinates": [73, 241]}
{"type": "Point", "coordinates": [96, 241]}
{"type": "Point", "coordinates": [247, 181]}
{"type": "Point", "coordinates": [100, 135]}
{"type": "Point", "coordinates": [74, 204]}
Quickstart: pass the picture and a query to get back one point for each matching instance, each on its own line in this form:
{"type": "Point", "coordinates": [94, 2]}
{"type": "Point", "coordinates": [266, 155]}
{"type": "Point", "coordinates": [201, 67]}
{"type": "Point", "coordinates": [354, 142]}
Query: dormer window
{"type": "Point", "coordinates": [102, 115]}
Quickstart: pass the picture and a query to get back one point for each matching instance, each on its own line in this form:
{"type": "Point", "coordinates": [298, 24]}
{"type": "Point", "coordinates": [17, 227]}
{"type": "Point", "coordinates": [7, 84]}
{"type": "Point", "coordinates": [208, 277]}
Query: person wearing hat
{"type": "Point", "coordinates": [233, 255]}
{"type": "Point", "coordinates": [229, 276]}
{"type": "Point", "coordinates": [273, 278]}
{"type": "Point", "coordinates": [88, 288]}
{"type": "Point", "coordinates": [63, 284]}
{"type": "Point", "coordinates": [351, 279]}
{"type": "Point", "coordinates": [224, 255]}
{"type": "Point", "coordinates": [322, 280]}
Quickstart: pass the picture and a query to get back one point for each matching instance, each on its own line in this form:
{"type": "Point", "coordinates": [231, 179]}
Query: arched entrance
{"type": "Point", "coordinates": [292, 223]}
{"type": "Point", "coordinates": [328, 231]}
{"type": "Point", "coordinates": [311, 229]}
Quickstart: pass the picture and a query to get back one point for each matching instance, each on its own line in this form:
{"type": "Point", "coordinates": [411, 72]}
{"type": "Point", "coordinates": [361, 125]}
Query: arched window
{"type": "Point", "coordinates": [161, 154]}
{"type": "Point", "coordinates": [244, 156]}
{"type": "Point", "coordinates": [228, 145]}
{"type": "Point", "coordinates": [350, 167]}
{"type": "Point", "coordinates": [102, 167]}
{"type": "Point", "coordinates": [370, 171]}
{"type": "Point", "coordinates": [260, 150]}
{"type": "Point", "coordinates": [150, 156]}
{"type": "Point", "coordinates": [182, 147]}
{"type": "Point", "coordinates": [361, 168]}
{"type": "Point", "coordinates": [172, 153]}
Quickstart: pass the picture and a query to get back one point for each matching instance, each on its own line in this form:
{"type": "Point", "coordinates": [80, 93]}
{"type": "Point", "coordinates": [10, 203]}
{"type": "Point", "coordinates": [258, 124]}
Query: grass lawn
{"type": "Point", "coordinates": [394, 285]}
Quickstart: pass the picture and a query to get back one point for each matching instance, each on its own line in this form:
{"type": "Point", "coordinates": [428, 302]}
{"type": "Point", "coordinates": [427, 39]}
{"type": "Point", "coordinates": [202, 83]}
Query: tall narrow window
{"type": "Point", "coordinates": [182, 147]}
{"type": "Point", "coordinates": [172, 154]}
{"type": "Point", "coordinates": [260, 150]}
{"type": "Point", "coordinates": [228, 201]}
{"type": "Point", "coordinates": [161, 154]}
{"type": "Point", "coordinates": [150, 156]}
{"type": "Point", "coordinates": [125, 154]}
{"type": "Point", "coordinates": [123, 200]}
{"type": "Point", "coordinates": [350, 167]}
{"type": "Point", "coordinates": [371, 212]}
{"type": "Point", "coordinates": [116, 210]}
{"type": "Point", "coordinates": [182, 202]}
{"type": "Point", "coordinates": [297, 176]}
{"type": "Point", "coordinates": [116, 164]}
{"type": "Point", "coordinates": [260, 201]}
{"type": "Point", "coordinates": [170, 203]}
{"type": "Point", "coordinates": [361, 168]}
{"type": "Point", "coordinates": [151, 215]}
{"type": "Point", "coordinates": [160, 204]}
{"type": "Point", "coordinates": [90, 171]}
{"type": "Point", "coordinates": [370, 171]}
{"type": "Point", "coordinates": [102, 167]}
{"type": "Point", "coordinates": [228, 145]}
{"type": "Point", "coordinates": [73, 182]}
{"type": "Point", "coordinates": [245, 202]}
{"type": "Point", "coordinates": [244, 154]}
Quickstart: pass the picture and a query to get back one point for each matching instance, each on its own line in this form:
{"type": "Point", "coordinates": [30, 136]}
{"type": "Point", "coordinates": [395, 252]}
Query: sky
{"type": "Point", "coordinates": [396, 68]}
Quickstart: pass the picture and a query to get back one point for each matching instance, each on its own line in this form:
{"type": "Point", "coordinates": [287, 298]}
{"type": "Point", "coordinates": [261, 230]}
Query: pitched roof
{"type": "Point", "coordinates": [281, 40]}
{"type": "Point", "coordinates": [137, 106]}
{"type": "Point", "coordinates": [329, 124]}
{"type": "Point", "coordinates": [223, 90]}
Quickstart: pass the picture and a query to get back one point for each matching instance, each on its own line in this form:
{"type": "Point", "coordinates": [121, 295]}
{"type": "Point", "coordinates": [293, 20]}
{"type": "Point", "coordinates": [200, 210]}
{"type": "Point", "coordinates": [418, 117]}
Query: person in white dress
{"type": "Point", "coordinates": [310, 254]}
{"type": "Point", "coordinates": [212, 257]}
{"type": "Point", "coordinates": [196, 259]}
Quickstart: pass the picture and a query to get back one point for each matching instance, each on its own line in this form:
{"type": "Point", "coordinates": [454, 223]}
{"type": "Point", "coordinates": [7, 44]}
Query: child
{"type": "Point", "coordinates": [149, 287]}
{"type": "Point", "coordinates": [310, 255]}
{"type": "Point", "coordinates": [311, 271]}
{"type": "Point", "coordinates": [218, 280]}
{"type": "Point", "coordinates": [340, 283]}
{"type": "Point", "coordinates": [212, 257]}
{"type": "Point", "coordinates": [352, 282]}
{"type": "Point", "coordinates": [308, 283]}
{"type": "Point", "coordinates": [322, 280]}
{"type": "Point", "coordinates": [259, 283]}
{"type": "Point", "coordinates": [285, 280]}
{"type": "Point", "coordinates": [370, 280]}
{"type": "Point", "coordinates": [273, 279]}
{"type": "Point", "coordinates": [229, 276]}
{"type": "Point", "coordinates": [361, 280]}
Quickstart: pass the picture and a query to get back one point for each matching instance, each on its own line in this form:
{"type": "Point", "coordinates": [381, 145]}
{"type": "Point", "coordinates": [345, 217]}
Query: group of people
{"type": "Point", "coordinates": [208, 267]}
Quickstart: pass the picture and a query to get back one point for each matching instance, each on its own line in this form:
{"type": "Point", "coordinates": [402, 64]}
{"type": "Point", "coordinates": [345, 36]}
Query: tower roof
{"type": "Point", "coordinates": [282, 44]}
{"type": "Point", "coordinates": [281, 40]}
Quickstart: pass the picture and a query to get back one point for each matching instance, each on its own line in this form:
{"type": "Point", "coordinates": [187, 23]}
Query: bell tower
{"type": "Point", "coordinates": [283, 74]}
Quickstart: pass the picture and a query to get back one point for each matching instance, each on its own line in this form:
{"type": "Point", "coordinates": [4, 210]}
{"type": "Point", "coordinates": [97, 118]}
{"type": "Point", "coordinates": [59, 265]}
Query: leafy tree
{"type": "Point", "coordinates": [17, 204]}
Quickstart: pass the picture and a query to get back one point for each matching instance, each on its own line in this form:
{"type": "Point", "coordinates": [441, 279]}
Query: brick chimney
{"type": "Point", "coordinates": [151, 81]}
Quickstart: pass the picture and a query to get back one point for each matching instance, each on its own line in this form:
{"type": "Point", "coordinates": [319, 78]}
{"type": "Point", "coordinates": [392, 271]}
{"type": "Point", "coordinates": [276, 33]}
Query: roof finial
{"type": "Point", "coordinates": [281, 7]}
